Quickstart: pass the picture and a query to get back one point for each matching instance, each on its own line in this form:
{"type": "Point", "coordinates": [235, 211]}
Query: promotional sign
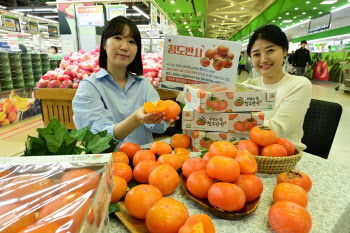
{"type": "Point", "coordinates": [116, 10]}
{"type": "Point", "coordinates": [53, 32]}
{"type": "Point", "coordinates": [12, 23]}
{"type": "Point", "coordinates": [327, 66]}
{"type": "Point", "coordinates": [33, 26]}
{"type": "Point", "coordinates": [90, 16]}
{"type": "Point", "coordinates": [162, 22]}
{"type": "Point", "coordinates": [153, 16]}
{"type": "Point", "coordinates": [189, 60]}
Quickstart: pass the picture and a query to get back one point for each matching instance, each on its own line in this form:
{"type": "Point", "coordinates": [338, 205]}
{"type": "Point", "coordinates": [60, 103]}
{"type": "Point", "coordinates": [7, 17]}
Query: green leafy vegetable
{"type": "Point", "coordinates": [56, 140]}
{"type": "Point", "coordinates": [113, 207]}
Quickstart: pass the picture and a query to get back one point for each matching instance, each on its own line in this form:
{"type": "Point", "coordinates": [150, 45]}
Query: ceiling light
{"type": "Point", "coordinates": [333, 7]}
{"type": "Point", "coordinates": [231, 3]}
{"type": "Point", "coordinates": [219, 29]}
{"type": "Point", "coordinates": [225, 16]}
{"type": "Point", "coordinates": [17, 12]}
{"type": "Point", "coordinates": [294, 17]}
{"type": "Point", "coordinates": [307, 2]}
{"type": "Point", "coordinates": [328, 2]}
{"type": "Point", "coordinates": [177, 11]}
{"type": "Point", "coordinates": [303, 13]}
{"type": "Point", "coordinates": [287, 21]}
{"type": "Point", "coordinates": [225, 31]}
{"type": "Point", "coordinates": [287, 13]}
{"type": "Point", "coordinates": [185, 22]}
{"type": "Point", "coordinates": [222, 24]}
{"type": "Point", "coordinates": [296, 8]}
{"type": "Point", "coordinates": [54, 16]}
{"type": "Point", "coordinates": [280, 23]}
{"type": "Point", "coordinates": [214, 19]}
{"type": "Point", "coordinates": [242, 8]}
{"type": "Point", "coordinates": [273, 21]}
{"type": "Point", "coordinates": [301, 20]}
{"type": "Point", "coordinates": [234, 19]}
{"type": "Point", "coordinates": [217, 8]}
{"type": "Point", "coordinates": [189, 29]}
{"type": "Point", "coordinates": [172, 2]}
{"type": "Point", "coordinates": [320, 12]}
{"type": "Point", "coordinates": [279, 17]}
{"type": "Point", "coordinates": [309, 17]}
{"type": "Point", "coordinates": [140, 11]}
{"type": "Point", "coordinates": [314, 8]}
{"type": "Point", "coordinates": [213, 26]}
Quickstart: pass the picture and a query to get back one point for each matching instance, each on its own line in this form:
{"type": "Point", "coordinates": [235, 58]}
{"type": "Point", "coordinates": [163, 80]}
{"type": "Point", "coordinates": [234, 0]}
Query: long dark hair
{"type": "Point", "coordinates": [271, 33]}
{"type": "Point", "coordinates": [117, 27]}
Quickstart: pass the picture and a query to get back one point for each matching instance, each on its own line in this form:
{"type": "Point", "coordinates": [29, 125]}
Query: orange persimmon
{"type": "Point", "coordinates": [157, 107]}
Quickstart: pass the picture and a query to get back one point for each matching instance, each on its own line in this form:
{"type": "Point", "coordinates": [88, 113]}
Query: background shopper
{"type": "Point", "coordinates": [113, 98]}
{"type": "Point", "coordinates": [301, 57]}
{"type": "Point", "coordinates": [267, 48]}
{"type": "Point", "coordinates": [242, 63]}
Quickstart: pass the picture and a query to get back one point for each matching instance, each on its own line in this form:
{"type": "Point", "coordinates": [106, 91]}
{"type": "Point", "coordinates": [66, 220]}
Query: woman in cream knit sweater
{"type": "Point", "coordinates": [267, 48]}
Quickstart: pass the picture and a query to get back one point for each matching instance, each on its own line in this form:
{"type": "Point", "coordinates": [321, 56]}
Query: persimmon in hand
{"type": "Point", "coordinates": [157, 107]}
{"type": "Point", "coordinates": [171, 108]}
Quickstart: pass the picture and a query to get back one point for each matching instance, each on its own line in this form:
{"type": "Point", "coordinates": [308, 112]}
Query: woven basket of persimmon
{"type": "Point", "coordinates": [276, 165]}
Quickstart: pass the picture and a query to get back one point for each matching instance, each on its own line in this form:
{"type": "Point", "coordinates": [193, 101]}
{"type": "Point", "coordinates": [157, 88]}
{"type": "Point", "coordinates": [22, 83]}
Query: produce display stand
{"type": "Point", "coordinates": [58, 103]}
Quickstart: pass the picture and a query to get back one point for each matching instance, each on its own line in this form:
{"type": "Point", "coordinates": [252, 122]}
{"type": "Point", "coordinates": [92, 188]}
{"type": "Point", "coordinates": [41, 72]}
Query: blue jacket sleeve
{"type": "Point", "coordinates": [88, 109]}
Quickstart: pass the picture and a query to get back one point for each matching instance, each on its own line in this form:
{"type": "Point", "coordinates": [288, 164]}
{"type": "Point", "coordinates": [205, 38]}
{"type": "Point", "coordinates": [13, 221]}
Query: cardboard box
{"type": "Point", "coordinates": [228, 97]}
{"type": "Point", "coordinates": [54, 167]}
{"type": "Point", "coordinates": [240, 122]}
{"type": "Point", "coordinates": [201, 140]}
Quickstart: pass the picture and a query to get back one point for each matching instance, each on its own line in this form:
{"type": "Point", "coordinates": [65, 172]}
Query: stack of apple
{"type": "Point", "coordinates": [152, 67]}
{"type": "Point", "coordinates": [72, 70]}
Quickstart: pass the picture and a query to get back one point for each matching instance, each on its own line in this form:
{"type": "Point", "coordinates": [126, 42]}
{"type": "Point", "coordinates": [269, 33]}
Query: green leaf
{"type": "Point", "coordinates": [87, 138]}
{"type": "Point", "coordinates": [98, 144]}
{"type": "Point", "coordinates": [103, 133]}
{"type": "Point", "coordinates": [80, 134]}
{"type": "Point", "coordinates": [35, 146]}
{"type": "Point", "coordinates": [55, 141]}
{"type": "Point", "coordinates": [78, 150]}
{"type": "Point", "coordinates": [112, 146]}
{"type": "Point", "coordinates": [113, 207]}
{"type": "Point", "coordinates": [204, 152]}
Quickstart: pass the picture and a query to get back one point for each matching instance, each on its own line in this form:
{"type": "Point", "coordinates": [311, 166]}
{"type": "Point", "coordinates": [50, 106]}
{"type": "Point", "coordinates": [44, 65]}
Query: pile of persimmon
{"type": "Point", "coordinates": [221, 57]}
{"type": "Point", "coordinates": [36, 203]}
{"type": "Point", "coordinates": [263, 141]}
{"type": "Point", "coordinates": [289, 213]}
{"type": "Point", "coordinates": [224, 176]}
{"type": "Point", "coordinates": [157, 166]}
{"type": "Point", "coordinates": [164, 215]}
{"type": "Point", "coordinates": [171, 108]}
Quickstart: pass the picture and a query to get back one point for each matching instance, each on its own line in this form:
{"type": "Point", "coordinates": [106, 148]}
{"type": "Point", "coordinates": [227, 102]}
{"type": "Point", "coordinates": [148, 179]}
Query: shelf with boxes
{"type": "Point", "coordinates": [23, 70]}
{"type": "Point", "coordinates": [227, 112]}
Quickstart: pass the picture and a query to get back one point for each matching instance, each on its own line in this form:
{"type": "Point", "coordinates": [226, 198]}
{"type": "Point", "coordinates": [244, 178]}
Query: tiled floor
{"type": "Point", "coordinates": [13, 137]}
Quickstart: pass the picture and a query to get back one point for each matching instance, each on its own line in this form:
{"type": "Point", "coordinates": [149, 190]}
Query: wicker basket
{"type": "Point", "coordinates": [275, 165]}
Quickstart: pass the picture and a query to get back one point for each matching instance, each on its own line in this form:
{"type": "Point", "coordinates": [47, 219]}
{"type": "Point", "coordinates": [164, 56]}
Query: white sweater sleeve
{"type": "Point", "coordinates": [289, 117]}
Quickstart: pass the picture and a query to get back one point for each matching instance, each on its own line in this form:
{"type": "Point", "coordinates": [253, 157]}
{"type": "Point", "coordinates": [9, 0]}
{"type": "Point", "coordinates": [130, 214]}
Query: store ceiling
{"type": "Point", "coordinates": [227, 17]}
{"type": "Point", "coordinates": [188, 15]}
{"type": "Point", "coordinates": [215, 18]}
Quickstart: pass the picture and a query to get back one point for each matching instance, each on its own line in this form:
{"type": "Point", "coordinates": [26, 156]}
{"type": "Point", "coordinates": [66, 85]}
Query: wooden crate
{"type": "Point", "coordinates": [58, 103]}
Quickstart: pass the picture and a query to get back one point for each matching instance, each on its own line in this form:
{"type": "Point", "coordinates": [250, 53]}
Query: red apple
{"type": "Point", "coordinates": [321, 71]}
